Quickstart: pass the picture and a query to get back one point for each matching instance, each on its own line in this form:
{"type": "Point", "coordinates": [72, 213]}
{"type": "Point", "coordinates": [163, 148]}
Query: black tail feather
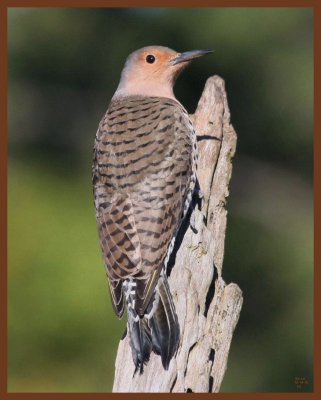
{"type": "Point", "coordinates": [164, 325]}
{"type": "Point", "coordinates": [158, 330]}
{"type": "Point", "coordinates": [140, 341]}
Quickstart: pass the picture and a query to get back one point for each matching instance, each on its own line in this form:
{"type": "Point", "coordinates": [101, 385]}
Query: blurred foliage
{"type": "Point", "coordinates": [64, 66]}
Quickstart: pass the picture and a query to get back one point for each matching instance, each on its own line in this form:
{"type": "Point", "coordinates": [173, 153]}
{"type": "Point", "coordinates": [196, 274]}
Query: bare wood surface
{"type": "Point", "coordinates": [207, 308]}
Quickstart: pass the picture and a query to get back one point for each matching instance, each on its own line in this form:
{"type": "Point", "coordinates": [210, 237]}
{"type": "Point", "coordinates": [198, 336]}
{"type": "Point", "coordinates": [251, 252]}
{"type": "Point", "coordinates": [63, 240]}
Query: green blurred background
{"type": "Point", "coordinates": [64, 66]}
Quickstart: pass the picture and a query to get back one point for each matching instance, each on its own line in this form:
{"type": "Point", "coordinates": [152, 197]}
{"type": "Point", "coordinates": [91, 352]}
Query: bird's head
{"type": "Point", "coordinates": [152, 71]}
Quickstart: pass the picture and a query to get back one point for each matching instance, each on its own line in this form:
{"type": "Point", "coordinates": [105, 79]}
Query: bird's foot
{"type": "Point", "coordinates": [198, 195]}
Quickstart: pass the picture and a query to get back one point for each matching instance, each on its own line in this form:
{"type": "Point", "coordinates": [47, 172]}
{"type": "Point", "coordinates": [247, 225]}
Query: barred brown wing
{"type": "Point", "coordinates": [142, 177]}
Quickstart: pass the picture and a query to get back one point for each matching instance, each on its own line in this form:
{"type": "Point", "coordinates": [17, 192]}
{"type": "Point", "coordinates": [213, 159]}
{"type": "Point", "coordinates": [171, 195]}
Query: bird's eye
{"type": "Point", "coordinates": [150, 59]}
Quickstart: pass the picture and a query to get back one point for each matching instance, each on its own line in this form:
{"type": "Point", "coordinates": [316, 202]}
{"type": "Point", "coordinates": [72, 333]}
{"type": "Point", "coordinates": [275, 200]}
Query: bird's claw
{"type": "Point", "coordinates": [198, 196]}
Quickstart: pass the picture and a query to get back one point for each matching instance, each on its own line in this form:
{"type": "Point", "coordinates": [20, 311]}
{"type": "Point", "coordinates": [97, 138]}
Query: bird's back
{"type": "Point", "coordinates": [140, 138]}
{"type": "Point", "coordinates": [144, 175]}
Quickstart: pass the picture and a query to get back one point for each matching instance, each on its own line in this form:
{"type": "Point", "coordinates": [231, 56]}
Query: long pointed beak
{"type": "Point", "coordinates": [189, 56]}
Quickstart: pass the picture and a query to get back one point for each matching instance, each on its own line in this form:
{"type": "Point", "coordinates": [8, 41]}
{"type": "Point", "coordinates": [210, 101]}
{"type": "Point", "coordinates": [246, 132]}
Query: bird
{"type": "Point", "coordinates": [144, 175]}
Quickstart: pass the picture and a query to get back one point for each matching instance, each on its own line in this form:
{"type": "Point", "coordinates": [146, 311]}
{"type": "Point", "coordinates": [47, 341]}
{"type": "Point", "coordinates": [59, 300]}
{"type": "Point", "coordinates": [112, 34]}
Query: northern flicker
{"type": "Point", "coordinates": [144, 175]}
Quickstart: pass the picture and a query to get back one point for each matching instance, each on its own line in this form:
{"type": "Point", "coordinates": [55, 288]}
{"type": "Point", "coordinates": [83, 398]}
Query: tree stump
{"type": "Point", "coordinates": [207, 308]}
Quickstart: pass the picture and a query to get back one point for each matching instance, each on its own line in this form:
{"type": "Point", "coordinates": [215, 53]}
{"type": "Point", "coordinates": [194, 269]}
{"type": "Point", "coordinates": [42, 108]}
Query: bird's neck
{"type": "Point", "coordinates": [137, 89]}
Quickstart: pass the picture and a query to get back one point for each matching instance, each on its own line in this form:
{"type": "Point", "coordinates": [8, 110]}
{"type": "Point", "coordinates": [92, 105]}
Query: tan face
{"type": "Point", "coordinates": [152, 71]}
{"type": "Point", "coordinates": [155, 56]}
{"type": "Point", "coordinates": [152, 64]}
